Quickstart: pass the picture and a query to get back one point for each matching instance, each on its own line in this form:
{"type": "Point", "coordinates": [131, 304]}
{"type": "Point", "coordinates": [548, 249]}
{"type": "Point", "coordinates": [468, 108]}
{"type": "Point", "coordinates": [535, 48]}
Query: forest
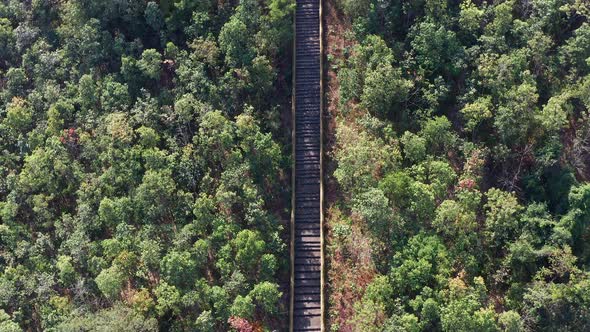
{"type": "Point", "coordinates": [145, 161]}
{"type": "Point", "coordinates": [144, 165]}
{"type": "Point", "coordinates": [459, 194]}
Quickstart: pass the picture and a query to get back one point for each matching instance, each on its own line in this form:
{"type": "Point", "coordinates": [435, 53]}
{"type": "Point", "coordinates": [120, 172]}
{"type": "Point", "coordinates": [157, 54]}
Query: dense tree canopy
{"type": "Point", "coordinates": [142, 169]}
{"type": "Point", "coordinates": [461, 161]}
{"type": "Point", "coordinates": [143, 165]}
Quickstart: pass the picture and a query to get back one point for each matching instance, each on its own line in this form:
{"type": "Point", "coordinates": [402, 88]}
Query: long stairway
{"type": "Point", "coordinates": [307, 308]}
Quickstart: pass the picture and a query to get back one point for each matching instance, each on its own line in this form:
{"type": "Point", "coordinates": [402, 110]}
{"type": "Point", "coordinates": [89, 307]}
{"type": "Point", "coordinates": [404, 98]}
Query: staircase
{"type": "Point", "coordinates": [307, 263]}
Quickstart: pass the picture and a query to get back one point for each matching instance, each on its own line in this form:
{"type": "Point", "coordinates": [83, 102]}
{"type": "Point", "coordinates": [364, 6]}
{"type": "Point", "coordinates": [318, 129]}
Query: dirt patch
{"type": "Point", "coordinates": [351, 268]}
{"type": "Point", "coordinates": [349, 264]}
{"type": "Point", "coordinates": [335, 28]}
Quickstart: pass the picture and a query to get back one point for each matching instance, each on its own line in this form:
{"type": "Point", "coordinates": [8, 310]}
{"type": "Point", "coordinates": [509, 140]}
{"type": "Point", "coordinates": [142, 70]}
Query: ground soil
{"type": "Point", "coordinates": [348, 273]}
{"type": "Point", "coordinates": [335, 27]}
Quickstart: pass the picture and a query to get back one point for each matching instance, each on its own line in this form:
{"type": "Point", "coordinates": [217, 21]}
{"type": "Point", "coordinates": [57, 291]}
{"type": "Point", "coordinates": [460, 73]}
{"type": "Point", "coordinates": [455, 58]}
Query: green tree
{"type": "Point", "coordinates": [67, 273]}
{"type": "Point", "coordinates": [437, 49]}
{"type": "Point", "coordinates": [153, 16]}
{"type": "Point", "coordinates": [205, 322]}
{"type": "Point", "coordinates": [414, 147]}
{"type": "Point", "coordinates": [502, 217]}
{"type": "Point", "coordinates": [511, 321]}
{"type": "Point", "coordinates": [19, 117]}
{"type": "Point", "coordinates": [168, 299]}
{"type": "Point", "coordinates": [7, 324]}
{"type": "Point", "coordinates": [477, 112]}
{"type": "Point", "coordinates": [243, 307]}
{"type": "Point", "coordinates": [118, 318]}
{"type": "Point", "coordinates": [16, 82]}
{"type": "Point", "coordinates": [266, 296]}
{"type": "Point", "coordinates": [110, 282]}
{"type": "Point", "coordinates": [465, 310]}
{"type": "Point", "coordinates": [385, 90]}
{"type": "Point", "coordinates": [514, 120]}
{"type": "Point", "coordinates": [361, 158]}
{"type": "Point", "coordinates": [470, 17]}
{"type": "Point", "coordinates": [373, 207]}
{"type": "Point", "coordinates": [249, 248]}
{"type": "Point", "coordinates": [423, 263]}
{"type": "Point", "coordinates": [114, 96]}
{"type": "Point", "coordinates": [178, 268]}
{"type": "Point", "coordinates": [155, 196]}
{"type": "Point", "coordinates": [150, 63]}
{"type": "Point", "coordinates": [235, 41]}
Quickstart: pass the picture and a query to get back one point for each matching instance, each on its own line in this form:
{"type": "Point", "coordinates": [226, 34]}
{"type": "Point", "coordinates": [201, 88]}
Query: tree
{"type": "Point", "coordinates": [267, 296]}
{"type": "Point", "coordinates": [243, 307]}
{"type": "Point", "coordinates": [87, 93]}
{"type": "Point", "coordinates": [6, 323]}
{"type": "Point", "coordinates": [67, 273]}
{"type": "Point", "coordinates": [374, 208]}
{"type": "Point", "coordinates": [168, 299]}
{"type": "Point", "coordinates": [249, 248]}
{"type": "Point", "coordinates": [6, 41]}
{"type": "Point", "coordinates": [178, 268]}
{"type": "Point", "coordinates": [554, 115]}
{"type": "Point", "coordinates": [385, 90]}
{"type": "Point", "coordinates": [554, 301]}
{"type": "Point", "coordinates": [395, 186]}
{"type": "Point", "coordinates": [153, 16]}
{"type": "Point", "coordinates": [438, 134]}
{"type": "Point", "coordinates": [263, 153]}
{"type": "Point", "coordinates": [470, 17]}
{"type": "Point", "coordinates": [354, 9]}
{"type": "Point", "coordinates": [576, 221]}
{"type": "Point", "coordinates": [110, 282]}
{"type": "Point", "coordinates": [205, 322]}
{"type": "Point", "coordinates": [115, 96]}
{"type": "Point", "coordinates": [514, 120]}
{"type": "Point", "coordinates": [510, 321]}
{"type": "Point", "coordinates": [502, 217]}
{"type": "Point", "coordinates": [361, 158]}
{"type": "Point", "coordinates": [19, 117]}
{"type": "Point", "coordinates": [576, 50]}
{"type": "Point", "coordinates": [477, 112]}
{"type": "Point", "coordinates": [497, 97]}
{"type": "Point", "coordinates": [455, 219]}
{"type": "Point", "coordinates": [268, 267]}
{"type": "Point", "coordinates": [118, 318]}
{"type": "Point", "coordinates": [235, 41]}
{"type": "Point", "coordinates": [373, 78]}
{"type": "Point", "coordinates": [465, 311]}
{"type": "Point", "coordinates": [150, 63]}
{"type": "Point", "coordinates": [368, 316]}
{"type": "Point", "coordinates": [138, 188]}
{"type": "Point", "coordinates": [414, 147]}
{"type": "Point", "coordinates": [155, 197]}
{"type": "Point", "coordinates": [437, 49]}
{"type": "Point", "coordinates": [423, 263]}
{"type": "Point", "coordinates": [215, 137]}
{"type": "Point", "coordinates": [16, 82]}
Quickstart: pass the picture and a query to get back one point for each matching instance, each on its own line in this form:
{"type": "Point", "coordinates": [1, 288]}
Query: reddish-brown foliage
{"type": "Point", "coordinates": [240, 324]}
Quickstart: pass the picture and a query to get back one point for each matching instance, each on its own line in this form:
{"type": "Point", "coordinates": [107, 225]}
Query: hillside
{"type": "Point", "coordinates": [143, 165]}
{"type": "Point", "coordinates": [458, 176]}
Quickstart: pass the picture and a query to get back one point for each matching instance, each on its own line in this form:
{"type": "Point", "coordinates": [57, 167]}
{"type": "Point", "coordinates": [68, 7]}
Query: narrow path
{"type": "Point", "coordinates": [307, 263]}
